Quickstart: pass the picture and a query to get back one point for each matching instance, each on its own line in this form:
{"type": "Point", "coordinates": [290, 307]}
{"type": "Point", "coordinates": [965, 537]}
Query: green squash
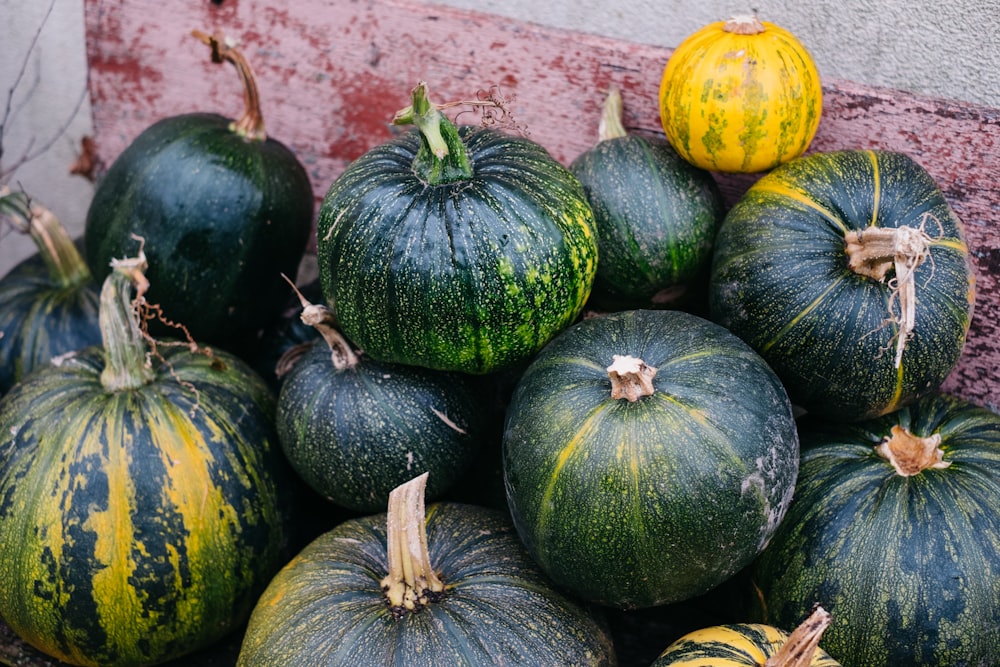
{"type": "Point", "coordinates": [648, 456]}
{"type": "Point", "coordinates": [850, 274]}
{"type": "Point", "coordinates": [354, 428]}
{"type": "Point", "coordinates": [49, 301]}
{"type": "Point", "coordinates": [142, 507]}
{"type": "Point", "coordinates": [452, 587]}
{"type": "Point", "coordinates": [458, 249]}
{"type": "Point", "coordinates": [656, 216]}
{"type": "Point", "coordinates": [223, 209]}
{"type": "Point", "coordinates": [894, 529]}
{"type": "Point", "coordinates": [752, 645]}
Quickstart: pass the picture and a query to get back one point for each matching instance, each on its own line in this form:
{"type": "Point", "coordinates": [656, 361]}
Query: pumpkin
{"type": "Point", "coordinates": [354, 428]}
{"type": "Point", "coordinates": [49, 301]}
{"type": "Point", "coordinates": [142, 506]}
{"type": "Point", "coordinates": [452, 586]}
{"type": "Point", "coordinates": [461, 249]}
{"type": "Point", "coordinates": [655, 214]}
{"type": "Point", "coordinates": [850, 274]}
{"type": "Point", "coordinates": [648, 456]}
{"type": "Point", "coordinates": [752, 645]}
{"type": "Point", "coordinates": [894, 529]}
{"type": "Point", "coordinates": [224, 210]}
{"type": "Point", "coordinates": [741, 95]}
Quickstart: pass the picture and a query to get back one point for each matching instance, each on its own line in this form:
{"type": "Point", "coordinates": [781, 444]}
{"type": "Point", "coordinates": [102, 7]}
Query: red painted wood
{"type": "Point", "coordinates": [333, 72]}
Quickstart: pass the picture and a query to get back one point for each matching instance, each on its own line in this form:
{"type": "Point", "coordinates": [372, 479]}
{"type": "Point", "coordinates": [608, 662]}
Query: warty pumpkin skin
{"type": "Point", "coordinates": [468, 262]}
{"type": "Point", "coordinates": [906, 558]}
{"type": "Point", "coordinates": [326, 608]}
{"type": "Point", "coordinates": [741, 95]}
{"type": "Point", "coordinates": [139, 523]}
{"type": "Point", "coordinates": [795, 273]}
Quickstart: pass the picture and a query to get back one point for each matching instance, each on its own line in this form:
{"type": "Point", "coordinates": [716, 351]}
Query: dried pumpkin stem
{"type": "Point", "coordinates": [743, 25]}
{"type": "Point", "coordinates": [911, 454]}
{"type": "Point", "coordinates": [125, 346]}
{"type": "Point", "coordinates": [872, 252]}
{"type": "Point", "coordinates": [322, 319]}
{"type": "Point", "coordinates": [612, 125]}
{"type": "Point", "coordinates": [251, 124]}
{"type": "Point", "coordinates": [631, 378]}
{"type": "Point", "coordinates": [66, 266]}
{"type": "Point", "coordinates": [800, 648]}
{"type": "Point", "coordinates": [411, 583]}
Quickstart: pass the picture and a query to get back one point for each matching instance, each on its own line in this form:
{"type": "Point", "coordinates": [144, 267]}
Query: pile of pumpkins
{"type": "Point", "coordinates": [677, 396]}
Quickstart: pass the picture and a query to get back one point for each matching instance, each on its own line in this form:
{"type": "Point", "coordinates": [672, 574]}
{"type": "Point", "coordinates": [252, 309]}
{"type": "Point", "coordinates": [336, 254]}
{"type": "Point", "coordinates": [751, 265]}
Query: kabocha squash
{"type": "Point", "coordinates": [461, 249]}
{"type": "Point", "coordinates": [223, 208]}
{"type": "Point", "coordinates": [894, 529]}
{"type": "Point", "coordinates": [142, 506]}
{"type": "Point", "coordinates": [850, 274]}
{"type": "Point", "coordinates": [655, 214]}
{"type": "Point", "coordinates": [452, 587]}
{"type": "Point", "coordinates": [48, 302]}
{"type": "Point", "coordinates": [648, 456]}
{"type": "Point", "coordinates": [741, 95]}
{"type": "Point", "coordinates": [354, 428]}
{"type": "Point", "coordinates": [752, 645]}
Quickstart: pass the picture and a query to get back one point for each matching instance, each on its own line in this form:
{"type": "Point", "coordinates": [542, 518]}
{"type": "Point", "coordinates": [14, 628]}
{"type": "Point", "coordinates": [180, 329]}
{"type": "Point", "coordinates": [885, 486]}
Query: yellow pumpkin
{"type": "Point", "coordinates": [741, 95]}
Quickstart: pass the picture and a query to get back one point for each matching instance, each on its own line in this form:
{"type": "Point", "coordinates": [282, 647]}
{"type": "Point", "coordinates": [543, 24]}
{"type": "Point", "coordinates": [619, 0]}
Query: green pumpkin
{"type": "Point", "coordinates": [850, 274]}
{"type": "Point", "coordinates": [49, 301]}
{"type": "Point", "coordinates": [354, 428]}
{"type": "Point", "coordinates": [648, 456]}
{"type": "Point", "coordinates": [459, 249]}
{"type": "Point", "coordinates": [142, 507]}
{"type": "Point", "coordinates": [894, 529]}
{"type": "Point", "coordinates": [223, 210]}
{"type": "Point", "coordinates": [452, 587]}
{"type": "Point", "coordinates": [656, 216]}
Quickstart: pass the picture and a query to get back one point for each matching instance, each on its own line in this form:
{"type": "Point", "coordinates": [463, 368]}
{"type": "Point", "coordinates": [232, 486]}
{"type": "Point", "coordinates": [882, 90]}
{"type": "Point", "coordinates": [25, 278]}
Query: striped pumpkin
{"type": "Point", "coordinates": [455, 249]}
{"type": "Point", "coordinates": [894, 529]}
{"type": "Point", "coordinates": [49, 301]}
{"type": "Point", "coordinates": [141, 511]}
{"type": "Point", "coordinates": [752, 645]}
{"type": "Point", "coordinates": [741, 95]}
{"type": "Point", "coordinates": [453, 586]}
{"type": "Point", "coordinates": [850, 274]}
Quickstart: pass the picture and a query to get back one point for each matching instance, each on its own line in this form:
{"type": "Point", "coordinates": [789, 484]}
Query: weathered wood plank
{"type": "Point", "coordinates": [332, 73]}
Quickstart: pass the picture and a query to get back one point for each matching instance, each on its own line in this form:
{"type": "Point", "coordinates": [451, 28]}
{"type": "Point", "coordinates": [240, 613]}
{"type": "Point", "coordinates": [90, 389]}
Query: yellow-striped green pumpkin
{"type": "Point", "coordinates": [741, 95]}
{"type": "Point", "coordinates": [141, 507]}
{"type": "Point", "coordinates": [462, 249]}
{"type": "Point", "coordinates": [850, 274]}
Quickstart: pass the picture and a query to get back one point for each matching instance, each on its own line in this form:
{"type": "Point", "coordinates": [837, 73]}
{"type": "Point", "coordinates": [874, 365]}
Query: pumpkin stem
{"type": "Point", "coordinates": [873, 251]}
{"type": "Point", "coordinates": [66, 266]}
{"type": "Point", "coordinates": [800, 648]}
{"type": "Point", "coordinates": [630, 378]}
{"type": "Point", "coordinates": [322, 319]}
{"type": "Point", "coordinates": [125, 365]}
{"type": "Point", "coordinates": [411, 583]}
{"type": "Point", "coordinates": [442, 157]}
{"type": "Point", "coordinates": [911, 454]}
{"type": "Point", "coordinates": [612, 124]}
{"type": "Point", "coordinates": [250, 125]}
{"type": "Point", "coordinates": [744, 24]}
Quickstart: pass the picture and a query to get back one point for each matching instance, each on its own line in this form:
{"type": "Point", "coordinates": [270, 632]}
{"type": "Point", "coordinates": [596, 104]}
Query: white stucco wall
{"type": "Point", "coordinates": [945, 49]}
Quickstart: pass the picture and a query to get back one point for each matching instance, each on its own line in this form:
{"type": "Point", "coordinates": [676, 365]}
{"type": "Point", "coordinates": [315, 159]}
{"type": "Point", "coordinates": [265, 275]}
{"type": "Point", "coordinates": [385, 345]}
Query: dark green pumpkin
{"type": "Point", "coordinates": [354, 428]}
{"type": "Point", "coordinates": [224, 210]}
{"type": "Point", "coordinates": [142, 508]}
{"type": "Point", "coordinates": [49, 301]}
{"type": "Point", "coordinates": [469, 261]}
{"type": "Point", "coordinates": [909, 565]}
{"type": "Point", "coordinates": [782, 279]}
{"type": "Point", "coordinates": [486, 603]}
{"type": "Point", "coordinates": [656, 216]}
{"type": "Point", "coordinates": [636, 503]}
